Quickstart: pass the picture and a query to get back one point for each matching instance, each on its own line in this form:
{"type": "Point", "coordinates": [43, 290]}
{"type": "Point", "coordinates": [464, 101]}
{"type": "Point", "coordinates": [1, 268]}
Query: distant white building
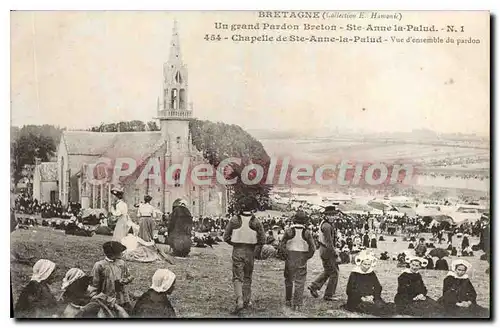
{"type": "Point", "coordinates": [45, 188]}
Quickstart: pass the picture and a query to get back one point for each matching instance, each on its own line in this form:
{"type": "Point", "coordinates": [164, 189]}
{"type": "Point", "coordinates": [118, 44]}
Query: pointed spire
{"type": "Point", "coordinates": [175, 47]}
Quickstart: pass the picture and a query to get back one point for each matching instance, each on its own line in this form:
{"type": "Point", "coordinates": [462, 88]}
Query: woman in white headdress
{"type": "Point", "coordinates": [459, 295]}
{"type": "Point", "coordinates": [36, 299]}
{"type": "Point", "coordinates": [82, 300]}
{"type": "Point", "coordinates": [154, 303]}
{"type": "Point", "coordinates": [364, 289]}
{"type": "Point", "coordinates": [411, 297]}
{"type": "Point", "coordinates": [71, 276]}
{"type": "Point", "coordinates": [71, 279]}
{"type": "Point", "coordinates": [121, 213]}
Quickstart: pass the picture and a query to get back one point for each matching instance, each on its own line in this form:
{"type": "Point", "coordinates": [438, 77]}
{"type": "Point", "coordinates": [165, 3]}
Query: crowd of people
{"type": "Point", "coordinates": [459, 161]}
{"type": "Point", "coordinates": [101, 294]}
{"type": "Point", "coordinates": [104, 291]}
{"type": "Point", "coordinates": [25, 204]}
{"type": "Point", "coordinates": [466, 176]}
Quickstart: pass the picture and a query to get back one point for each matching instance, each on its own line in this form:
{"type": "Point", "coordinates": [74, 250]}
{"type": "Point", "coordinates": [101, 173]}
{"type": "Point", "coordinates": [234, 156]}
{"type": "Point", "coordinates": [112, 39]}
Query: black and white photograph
{"type": "Point", "coordinates": [250, 164]}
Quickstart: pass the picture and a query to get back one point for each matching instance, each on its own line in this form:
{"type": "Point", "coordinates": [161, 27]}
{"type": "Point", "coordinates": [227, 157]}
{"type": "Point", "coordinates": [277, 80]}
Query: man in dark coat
{"type": "Point", "coordinates": [328, 256]}
{"type": "Point", "coordinates": [485, 237]}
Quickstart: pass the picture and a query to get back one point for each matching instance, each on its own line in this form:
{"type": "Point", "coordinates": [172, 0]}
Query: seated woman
{"type": "Point", "coordinates": [430, 262]}
{"type": "Point", "coordinates": [401, 258]}
{"type": "Point", "coordinates": [459, 296]}
{"type": "Point", "coordinates": [36, 299]}
{"type": "Point", "coordinates": [467, 251]}
{"type": "Point", "coordinates": [139, 250]}
{"type": "Point", "coordinates": [74, 277]}
{"type": "Point", "coordinates": [81, 304]}
{"type": "Point", "coordinates": [373, 241]}
{"type": "Point", "coordinates": [344, 255]}
{"type": "Point", "coordinates": [441, 264]}
{"type": "Point", "coordinates": [71, 276]}
{"type": "Point", "coordinates": [411, 297]}
{"type": "Point", "coordinates": [154, 303]}
{"type": "Point", "coordinates": [454, 251]}
{"type": "Point", "coordinates": [384, 256]}
{"type": "Point", "coordinates": [364, 289]}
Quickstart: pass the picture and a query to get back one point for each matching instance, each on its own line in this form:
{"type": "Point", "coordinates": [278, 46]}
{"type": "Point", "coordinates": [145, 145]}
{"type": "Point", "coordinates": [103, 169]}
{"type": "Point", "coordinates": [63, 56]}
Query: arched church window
{"type": "Point", "coordinates": [178, 77]}
{"type": "Point", "coordinates": [61, 179]}
{"type": "Point", "coordinates": [173, 99]}
{"type": "Point", "coordinates": [182, 99]}
{"type": "Point", "coordinates": [177, 178]}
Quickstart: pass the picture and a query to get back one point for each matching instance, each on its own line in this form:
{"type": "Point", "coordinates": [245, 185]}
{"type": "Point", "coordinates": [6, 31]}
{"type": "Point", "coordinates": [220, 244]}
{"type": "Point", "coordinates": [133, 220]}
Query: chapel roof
{"type": "Point", "coordinates": [100, 143]}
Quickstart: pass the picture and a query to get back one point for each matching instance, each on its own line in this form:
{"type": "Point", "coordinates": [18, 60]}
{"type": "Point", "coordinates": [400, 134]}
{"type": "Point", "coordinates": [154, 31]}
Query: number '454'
{"type": "Point", "coordinates": [212, 37]}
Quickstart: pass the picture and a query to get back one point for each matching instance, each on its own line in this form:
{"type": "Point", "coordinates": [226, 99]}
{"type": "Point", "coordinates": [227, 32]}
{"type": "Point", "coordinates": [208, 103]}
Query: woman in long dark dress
{"type": "Point", "coordinates": [36, 299]}
{"type": "Point", "coordinates": [373, 242]}
{"type": "Point", "coordinates": [459, 295]}
{"type": "Point", "coordinates": [180, 228]}
{"type": "Point", "coordinates": [366, 240]}
{"type": "Point", "coordinates": [411, 298]}
{"type": "Point", "coordinates": [364, 289]}
{"type": "Point", "coordinates": [154, 303]}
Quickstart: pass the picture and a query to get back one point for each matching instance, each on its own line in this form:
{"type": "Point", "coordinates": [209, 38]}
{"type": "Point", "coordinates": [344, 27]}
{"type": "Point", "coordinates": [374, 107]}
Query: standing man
{"type": "Point", "coordinates": [328, 255]}
{"type": "Point", "coordinates": [298, 245]}
{"type": "Point", "coordinates": [244, 232]}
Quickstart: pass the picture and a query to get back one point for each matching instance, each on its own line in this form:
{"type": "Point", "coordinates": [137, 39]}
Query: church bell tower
{"type": "Point", "coordinates": [174, 113]}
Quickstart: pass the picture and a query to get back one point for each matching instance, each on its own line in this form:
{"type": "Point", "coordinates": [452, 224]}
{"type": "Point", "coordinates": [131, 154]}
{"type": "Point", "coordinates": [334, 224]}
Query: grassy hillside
{"type": "Point", "coordinates": [204, 286]}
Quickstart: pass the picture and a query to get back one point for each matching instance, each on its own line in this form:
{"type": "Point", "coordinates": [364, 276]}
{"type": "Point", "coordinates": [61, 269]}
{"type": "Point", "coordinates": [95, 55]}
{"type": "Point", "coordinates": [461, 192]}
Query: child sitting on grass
{"type": "Point", "coordinates": [111, 276]}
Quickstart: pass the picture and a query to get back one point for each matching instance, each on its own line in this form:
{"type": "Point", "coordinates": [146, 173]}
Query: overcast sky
{"type": "Point", "coordinates": [93, 67]}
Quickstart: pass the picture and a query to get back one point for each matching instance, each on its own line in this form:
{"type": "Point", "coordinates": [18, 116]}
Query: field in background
{"type": "Point", "coordinates": [427, 156]}
{"type": "Point", "coordinates": [204, 286]}
{"type": "Point", "coordinates": [368, 150]}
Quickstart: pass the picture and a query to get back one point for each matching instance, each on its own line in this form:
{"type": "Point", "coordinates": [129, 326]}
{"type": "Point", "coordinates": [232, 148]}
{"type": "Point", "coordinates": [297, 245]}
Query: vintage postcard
{"type": "Point", "coordinates": [250, 164]}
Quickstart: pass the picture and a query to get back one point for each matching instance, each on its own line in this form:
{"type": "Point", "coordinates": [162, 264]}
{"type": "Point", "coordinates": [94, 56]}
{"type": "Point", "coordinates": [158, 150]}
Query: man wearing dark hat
{"type": "Point", "coordinates": [328, 256]}
{"type": "Point", "coordinates": [299, 247]}
{"type": "Point", "coordinates": [244, 232]}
